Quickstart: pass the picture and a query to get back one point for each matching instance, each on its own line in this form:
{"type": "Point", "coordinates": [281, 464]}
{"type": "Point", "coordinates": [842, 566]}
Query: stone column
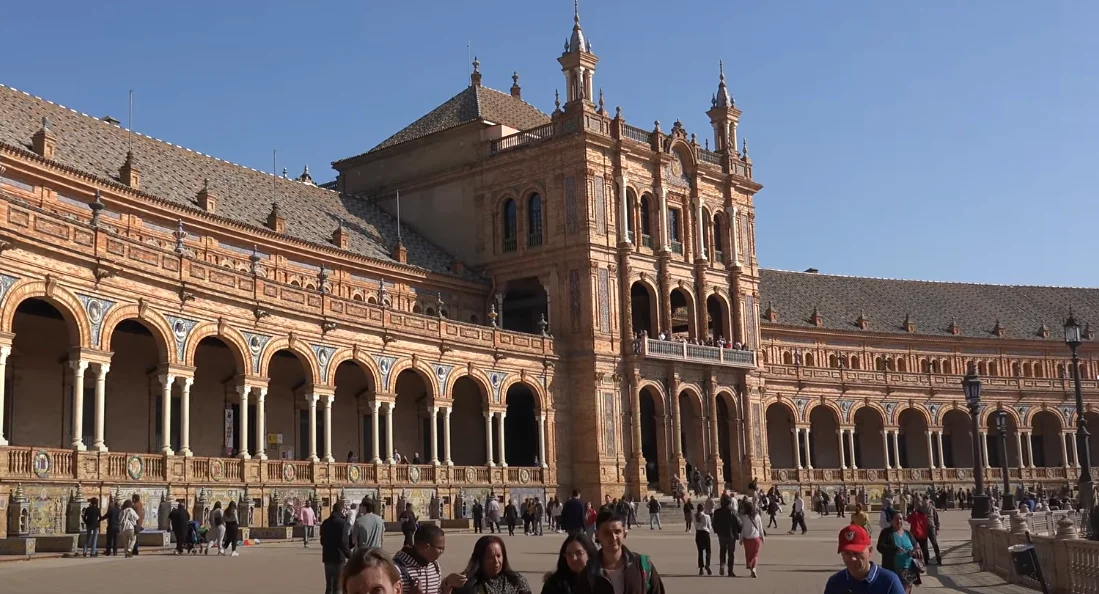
{"type": "Point", "coordinates": [244, 392]}
{"type": "Point", "coordinates": [1071, 436]}
{"type": "Point", "coordinates": [542, 440]}
{"type": "Point", "coordinates": [635, 420]}
{"type": "Point", "coordinates": [78, 405]}
{"type": "Point", "coordinates": [624, 230]}
{"type": "Point", "coordinates": [312, 400]}
{"type": "Point", "coordinates": [446, 436]}
{"type": "Point", "coordinates": [797, 447]}
{"type": "Point", "coordinates": [4, 352]}
{"type": "Point", "coordinates": [843, 458]}
{"type": "Point", "coordinates": [166, 382]}
{"type": "Point", "coordinates": [734, 229]}
{"type": "Point", "coordinates": [184, 416]}
{"type": "Point", "coordinates": [503, 442]}
{"type": "Point", "coordinates": [1019, 449]}
{"type": "Point", "coordinates": [984, 448]}
{"type": "Point", "coordinates": [942, 456]}
{"type": "Point", "coordinates": [1030, 448]}
{"type": "Point", "coordinates": [434, 431]}
{"type": "Point", "coordinates": [677, 429]}
{"type": "Point", "coordinates": [851, 442]}
{"type": "Point", "coordinates": [885, 444]}
{"type": "Point", "coordinates": [1064, 451]}
{"type": "Point", "coordinates": [261, 423]}
{"type": "Point", "coordinates": [488, 439]}
{"type": "Point", "coordinates": [374, 429]}
{"type": "Point", "coordinates": [897, 448]}
{"type": "Point", "coordinates": [930, 451]}
{"type": "Point", "coordinates": [500, 310]}
{"type": "Point", "coordinates": [664, 245]}
{"type": "Point", "coordinates": [715, 447]}
{"type": "Point", "coordinates": [389, 406]}
{"type": "Point", "coordinates": [100, 403]}
{"type": "Point", "coordinates": [808, 451]}
{"type": "Point", "coordinates": [328, 400]}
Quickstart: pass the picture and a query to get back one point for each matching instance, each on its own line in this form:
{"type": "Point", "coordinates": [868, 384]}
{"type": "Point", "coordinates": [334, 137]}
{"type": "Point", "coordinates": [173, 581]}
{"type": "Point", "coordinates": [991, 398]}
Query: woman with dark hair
{"type": "Point", "coordinates": [571, 576]}
{"type": "Point", "coordinates": [488, 571]}
{"type": "Point", "coordinates": [231, 524]}
{"type": "Point", "coordinates": [703, 528]}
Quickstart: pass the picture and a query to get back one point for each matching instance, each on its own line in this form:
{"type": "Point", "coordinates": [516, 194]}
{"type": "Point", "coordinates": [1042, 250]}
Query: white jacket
{"type": "Point", "coordinates": [128, 520]}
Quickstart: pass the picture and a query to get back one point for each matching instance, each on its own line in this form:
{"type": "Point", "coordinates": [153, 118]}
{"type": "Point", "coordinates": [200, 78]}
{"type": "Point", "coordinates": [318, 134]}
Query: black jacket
{"type": "Point", "coordinates": [556, 583]}
{"type": "Point", "coordinates": [179, 518]}
{"type": "Point", "coordinates": [334, 547]}
{"type": "Point", "coordinates": [111, 516]}
{"type": "Point", "coordinates": [92, 518]}
{"type": "Point", "coordinates": [726, 523]}
{"type": "Point", "coordinates": [572, 514]}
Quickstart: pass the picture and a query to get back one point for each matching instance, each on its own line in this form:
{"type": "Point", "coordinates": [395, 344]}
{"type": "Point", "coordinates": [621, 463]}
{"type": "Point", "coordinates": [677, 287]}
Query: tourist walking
{"type": "Point", "coordinates": [409, 524]}
{"type": "Point", "coordinates": [773, 509]}
{"type": "Point", "coordinates": [231, 524]}
{"type": "Point", "coordinates": [618, 570]}
{"type": "Point", "coordinates": [751, 536]}
{"type": "Point", "coordinates": [726, 525]}
{"type": "Point", "coordinates": [492, 509]}
{"type": "Point", "coordinates": [511, 516]}
{"type": "Point", "coordinates": [861, 518]}
{"type": "Point", "coordinates": [571, 575]}
{"type": "Point", "coordinates": [860, 573]}
{"type": "Point", "coordinates": [308, 518]}
{"type": "Point", "coordinates": [539, 515]}
{"type": "Point", "coordinates": [654, 513]}
{"type": "Point", "coordinates": [488, 571]}
{"type": "Point", "coordinates": [419, 562]}
{"type": "Point", "coordinates": [139, 509]}
{"type": "Point", "coordinates": [572, 515]}
{"type": "Point", "coordinates": [797, 515]}
{"type": "Point", "coordinates": [91, 521]}
{"type": "Point", "coordinates": [180, 520]}
{"type": "Point", "coordinates": [113, 517]}
{"type": "Point", "coordinates": [216, 529]}
{"type": "Point", "coordinates": [334, 549]}
{"type": "Point", "coordinates": [688, 514]}
{"type": "Point", "coordinates": [369, 529]}
{"type": "Point", "coordinates": [478, 516]}
{"type": "Point", "coordinates": [899, 551]}
{"type": "Point", "coordinates": [703, 528]}
{"type": "Point", "coordinates": [128, 524]}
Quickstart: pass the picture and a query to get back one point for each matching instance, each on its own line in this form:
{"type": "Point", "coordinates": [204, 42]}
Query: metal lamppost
{"type": "Point", "coordinates": [971, 385]}
{"type": "Point", "coordinates": [1008, 501]}
{"type": "Point", "coordinates": [1083, 452]}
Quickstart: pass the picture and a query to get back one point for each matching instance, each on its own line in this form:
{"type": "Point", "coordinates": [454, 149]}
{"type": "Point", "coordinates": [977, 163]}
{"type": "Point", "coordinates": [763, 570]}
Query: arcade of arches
{"type": "Point", "coordinates": [58, 396]}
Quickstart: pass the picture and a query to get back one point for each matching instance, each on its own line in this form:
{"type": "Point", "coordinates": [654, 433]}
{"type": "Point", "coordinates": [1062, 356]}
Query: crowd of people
{"type": "Point", "coordinates": [668, 336]}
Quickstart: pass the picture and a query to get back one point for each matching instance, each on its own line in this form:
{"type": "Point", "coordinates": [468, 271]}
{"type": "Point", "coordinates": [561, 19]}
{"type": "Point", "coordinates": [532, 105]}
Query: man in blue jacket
{"type": "Point", "coordinates": [572, 514]}
{"type": "Point", "coordinates": [861, 576]}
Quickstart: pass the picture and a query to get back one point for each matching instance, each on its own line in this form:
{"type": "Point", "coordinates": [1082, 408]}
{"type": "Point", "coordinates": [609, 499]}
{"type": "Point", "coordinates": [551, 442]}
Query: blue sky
{"type": "Point", "coordinates": [931, 140]}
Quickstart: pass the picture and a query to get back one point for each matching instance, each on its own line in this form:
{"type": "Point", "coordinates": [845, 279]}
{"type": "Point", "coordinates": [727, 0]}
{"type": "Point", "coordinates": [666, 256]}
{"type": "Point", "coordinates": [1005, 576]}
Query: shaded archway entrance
{"type": "Point", "coordinates": [411, 428]}
{"type": "Point", "coordinates": [467, 424]}
{"type": "Point", "coordinates": [653, 444]}
{"type": "Point", "coordinates": [134, 406]}
{"type": "Point", "coordinates": [717, 320]}
{"type": "Point", "coordinates": [780, 436]}
{"type": "Point", "coordinates": [352, 429]}
{"type": "Point", "coordinates": [524, 305]}
{"type": "Point", "coordinates": [217, 367]}
{"type": "Point", "coordinates": [824, 435]}
{"type": "Point", "coordinates": [869, 438]}
{"type": "Point", "coordinates": [521, 427]}
{"type": "Point", "coordinates": [643, 309]}
{"type": "Point", "coordinates": [38, 389]}
{"type": "Point", "coordinates": [287, 408]}
{"type": "Point", "coordinates": [958, 439]}
{"type": "Point", "coordinates": [992, 437]}
{"type": "Point", "coordinates": [682, 323]}
{"type": "Point", "coordinates": [1046, 440]}
{"type": "Point", "coordinates": [913, 439]}
{"type": "Point", "coordinates": [692, 430]}
{"type": "Point", "coordinates": [728, 434]}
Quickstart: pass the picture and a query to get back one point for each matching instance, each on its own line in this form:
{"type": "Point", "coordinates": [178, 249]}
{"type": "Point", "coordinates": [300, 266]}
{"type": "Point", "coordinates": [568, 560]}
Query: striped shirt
{"type": "Point", "coordinates": [417, 573]}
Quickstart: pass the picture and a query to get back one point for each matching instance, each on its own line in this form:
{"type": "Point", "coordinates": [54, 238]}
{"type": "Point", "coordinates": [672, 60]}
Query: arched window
{"type": "Point", "coordinates": [444, 314]}
{"type": "Point", "coordinates": [901, 365]}
{"type": "Point", "coordinates": [372, 300]}
{"type": "Point", "coordinates": [646, 222]}
{"type": "Point", "coordinates": [1026, 369]}
{"type": "Point", "coordinates": [534, 220]}
{"type": "Point", "coordinates": [719, 240]}
{"type": "Point", "coordinates": [631, 222]}
{"type": "Point", "coordinates": [993, 369]}
{"type": "Point", "coordinates": [1061, 371]}
{"type": "Point", "coordinates": [854, 362]}
{"type": "Point", "coordinates": [833, 361]}
{"type": "Point", "coordinates": [1038, 371]}
{"type": "Point", "coordinates": [879, 364]}
{"type": "Point", "coordinates": [417, 309]}
{"type": "Point", "coordinates": [925, 366]}
{"type": "Point", "coordinates": [936, 367]}
{"type": "Point", "coordinates": [1016, 370]}
{"type": "Point", "coordinates": [947, 367]}
{"type": "Point", "coordinates": [787, 358]}
{"type": "Point", "coordinates": [808, 359]}
{"type": "Point", "coordinates": [982, 369]}
{"type": "Point", "coordinates": [511, 229]}
{"type": "Point", "coordinates": [1083, 370]}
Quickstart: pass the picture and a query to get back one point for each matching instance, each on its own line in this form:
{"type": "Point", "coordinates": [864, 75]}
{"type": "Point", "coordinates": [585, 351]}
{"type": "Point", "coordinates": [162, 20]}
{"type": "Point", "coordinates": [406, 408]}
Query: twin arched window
{"type": "Point", "coordinates": [534, 220]}
{"type": "Point", "coordinates": [511, 223]}
{"type": "Point", "coordinates": [511, 226]}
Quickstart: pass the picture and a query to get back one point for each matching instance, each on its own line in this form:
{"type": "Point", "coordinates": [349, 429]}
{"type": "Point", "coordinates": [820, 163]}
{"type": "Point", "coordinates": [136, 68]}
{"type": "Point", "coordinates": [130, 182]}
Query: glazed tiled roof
{"type": "Point", "coordinates": [474, 104]}
{"type": "Point", "coordinates": [244, 195]}
{"type": "Point", "coordinates": [931, 306]}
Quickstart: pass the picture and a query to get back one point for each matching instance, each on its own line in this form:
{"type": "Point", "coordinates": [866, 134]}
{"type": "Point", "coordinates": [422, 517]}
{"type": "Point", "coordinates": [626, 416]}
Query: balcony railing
{"type": "Point", "coordinates": [633, 133]}
{"type": "Point", "coordinates": [647, 241]}
{"type": "Point", "coordinates": [510, 244]}
{"type": "Point", "coordinates": [534, 240]}
{"type": "Point", "coordinates": [682, 351]}
{"type": "Point", "coordinates": [677, 247]}
{"type": "Point", "coordinates": [709, 157]}
{"type": "Point", "coordinates": [719, 256]}
{"type": "Point", "coordinates": [521, 138]}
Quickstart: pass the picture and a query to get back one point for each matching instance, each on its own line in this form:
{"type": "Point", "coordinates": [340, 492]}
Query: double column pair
{"type": "Point", "coordinates": [501, 415]}
{"type": "Point", "coordinates": [433, 413]}
{"type": "Point", "coordinates": [79, 367]}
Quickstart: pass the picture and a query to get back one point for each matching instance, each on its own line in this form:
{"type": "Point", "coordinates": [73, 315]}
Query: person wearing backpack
{"type": "Point", "coordinates": [920, 528]}
{"type": "Point", "coordinates": [617, 564]}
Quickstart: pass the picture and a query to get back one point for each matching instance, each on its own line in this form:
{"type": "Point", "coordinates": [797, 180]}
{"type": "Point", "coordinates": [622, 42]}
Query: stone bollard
{"type": "Point", "coordinates": [163, 522]}
{"type": "Point", "coordinates": [1066, 528]}
{"type": "Point", "coordinates": [74, 511]}
{"type": "Point", "coordinates": [995, 521]}
{"type": "Point", "coordinates": [1018, 523]}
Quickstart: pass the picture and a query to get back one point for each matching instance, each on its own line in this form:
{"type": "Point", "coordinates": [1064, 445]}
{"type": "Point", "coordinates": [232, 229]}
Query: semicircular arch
{"type": "Point", "coordinates": [874, 406]}
{"type": "Point", "coordinates": [986, 415]}
{"type": "Point", "coordinates": [660, 398]}
{"type": "Point", "coordinates": [477, 377]}
{"type": "Point", "coordinates": [782, 403]}
{"type": "Point", "coordinates": [365, 362]}
{"type": "Point", "coordinates": [59, 297]}
{"type": "Point", "coordinates": [305, 355]}
{"type": "Point", "coordinates": [828, 405]}
{"type": "Point", "coordinates": [536, 390]}
{"type": "Point", "coordinates": [1028, 420]}
{"type": "Point", "coordinates": [419, 369]}
{"type": "Point", "coordinates": [151, 319]}
{"type": "Point", "coordinates": [919, 408]}
{"type": "Point", "coordinates": [694, 394]}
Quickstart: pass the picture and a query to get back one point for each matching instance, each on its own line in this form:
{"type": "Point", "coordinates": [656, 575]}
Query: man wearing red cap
{"type": "Point", "coordinates": [861, 576]}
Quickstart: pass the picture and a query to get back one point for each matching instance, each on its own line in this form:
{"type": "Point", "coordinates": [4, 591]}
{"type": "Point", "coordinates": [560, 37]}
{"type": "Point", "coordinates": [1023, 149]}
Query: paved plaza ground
{"type": "Point", "coordinates": [788, 564]}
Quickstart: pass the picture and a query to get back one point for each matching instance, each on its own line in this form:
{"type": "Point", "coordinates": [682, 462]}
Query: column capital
{"type": "Point", "coordinates": [102, 369]}
{"type": "Point", "coordinates": [320, 390]}
{"type": "Point", "coordinates": [78, 366]}
{"type": "Point", "coordinates": [5, 350]}
{"type": "Point", "coordinates": [166, 379]}
{"type": "Point", "coordinates": [390, 405]}
{"type": "Point", "coordinates": [187, 381]}
{"type": "Point", "coordinates": [175, 370]}
{"type": "Point", "coordinates": [328, 400]}
{"type": "Point", "coordinates": [261, 393]}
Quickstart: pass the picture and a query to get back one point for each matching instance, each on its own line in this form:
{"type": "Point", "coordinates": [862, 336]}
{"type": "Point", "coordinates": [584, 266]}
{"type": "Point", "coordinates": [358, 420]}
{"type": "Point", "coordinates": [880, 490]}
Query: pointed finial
{"type": "Point", "coordinates": [45, 124]}
{"type": "Point", "coordinates": [576, 11]}
{"type": "Point", "coordinates": [744, 151]}
{"type": "Point", "coordinates": [180, 234]}
{"type": "Point", "coordinates": [284, 173]}
{"type": "Point", "coordinates": [96, 207]}
{"type": "Point", "coordinates": [721, 69]}
{"type": "Point", "coordinates": [514, 77]}
{"type": "Point", "coordinates": [475, 76]}
{"type": "Point", "coordinates": [205, 184]}
{"type": "Point", "coordinates": [601, 109]}
{"type": "Point", "coordinates": [476, 64]}
{"type": "Point", "coordinates": [557, 99]}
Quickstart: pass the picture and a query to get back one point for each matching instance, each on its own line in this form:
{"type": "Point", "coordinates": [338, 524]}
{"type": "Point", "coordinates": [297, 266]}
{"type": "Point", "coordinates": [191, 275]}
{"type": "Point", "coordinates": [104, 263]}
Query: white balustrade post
{"type": "Point", "coordinates": [1071, 436]}
{"type": "Point", "coordinates": [375, 428]}
{"type": "Point", "coordinates": [328, 400]}
{"type": "Point", "coordinates": [942, 456]}
{"type": "Point", "coordinates": [488, 438]}
{"type": "Point", "coordinates": [185, 416]}
{"type": "Point", "coordinates": [897, 448]}
{"type": "Point", "coordinates": [244, 392]}
{"type": "Point", "coordinates": [78, 405]}
{"type": "Point", "coordinates": [4, 352]}
{"type": "Point", "coordinates": [984, 448]}
{"type": "Point", "coordinates": [166, 382]}
{"type": "Point", "coordinates": [389, 408]}
{"type": "Point", "coordinates": [808, 451]}
{"type": "Point", "coordinates": [542, 440]}
{"type": "Point", "coordinates": [503, 441]}
{"type": "Point", "coordinates": [446, 436]}
{"type": "Point", "coordinates": [1019, 449]}
{"type": "Point", "coordinates": [434, 412]}
{"type": "Point", "coordinates": [261, 423]}
{"type": "Point", "coordinates": [1030, 448]}
{"type": "Point", "coordinates": [102, 369]}
{"type": "Point", "coordinates": [1064, 450]}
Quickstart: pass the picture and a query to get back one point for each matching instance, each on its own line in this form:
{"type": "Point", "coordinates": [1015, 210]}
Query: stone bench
{"type": "Point", "coordinates": [56, 543]}
{"type": "Point", "coordinates": [149, 538]}
{"type": "Point", "coordinates": [263, 533]}
{"type": "Point", "coordinates": [23, 547]}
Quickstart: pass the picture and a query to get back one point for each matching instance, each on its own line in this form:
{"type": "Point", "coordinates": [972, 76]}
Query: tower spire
{"type": "Point", "coordinates": [578, 64]}
{"type": "Point", "coordinates": [724, 116]}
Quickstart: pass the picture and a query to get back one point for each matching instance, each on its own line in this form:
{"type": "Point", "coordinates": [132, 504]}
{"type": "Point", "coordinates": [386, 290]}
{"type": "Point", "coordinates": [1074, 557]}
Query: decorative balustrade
{"type": "Point", "coordinates": [920, 476]}
{"type": "Point", "coordinates": [938, 381]}
{"type": "Point", "coordinates": [710, 157]}
{"type": "Point", "coordinates": [677, 247]}
{"type": "Point", "coordinates": [1070, 564]}
{"type": "Point", "coordinates": [637, 134]}
{"type": "Point", "coordinates": [522, 138]}
{"type": "Point", "coordinates": [666, 349]}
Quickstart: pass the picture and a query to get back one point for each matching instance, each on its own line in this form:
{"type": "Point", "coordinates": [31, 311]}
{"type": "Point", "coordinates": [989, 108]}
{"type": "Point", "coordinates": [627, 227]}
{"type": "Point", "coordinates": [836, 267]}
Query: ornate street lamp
{"type": "Point", "coordinates": [1083, 452]}
{"type": "Point", "coordinates": [1008, 501]}
{"type": "Point", "coordinates": [971, 385]}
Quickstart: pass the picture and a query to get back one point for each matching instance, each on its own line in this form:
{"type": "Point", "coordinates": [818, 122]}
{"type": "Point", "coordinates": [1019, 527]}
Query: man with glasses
{"type": "Point", "coordinates": [418, 563]}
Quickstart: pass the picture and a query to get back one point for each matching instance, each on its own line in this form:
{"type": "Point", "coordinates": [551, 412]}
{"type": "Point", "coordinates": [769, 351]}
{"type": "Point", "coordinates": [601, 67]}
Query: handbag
{"type": "Point", "coordinates": [920, 566]}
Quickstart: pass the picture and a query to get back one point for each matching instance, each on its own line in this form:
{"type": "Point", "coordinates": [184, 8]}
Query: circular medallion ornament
{"type": "Point", "coordinates": [135, 467]}
{"type": "Point", "coordinates": [915, 474]}
{"type": "Point", "coordinates": [217, 470]}
{"type": "Point", "coordinates": [288, 473]}
{"type": "Point", "coordinates": [414, 475]}
{"type": "Point", "coordinates": [95, 311]}
{"type": "Point", "coordinates": [471, 475]}
{"type": "Point", "coordinates": [41, 464]}
{"type": "Point", "coordinates": [871, 475]}
{"type": "Point", "coordinates": [1049, 473]}
{"type": "Point", "coordinates": [677, 167]}
{"type": "Point", "coordinates": [783, 475]}
{"type": "Point", "coordinates": [960, 473]}
{"type": "Point", "coordinates": [524, 476]}
{"type": "Point", "coordinates": [827, 475]}
{"type": "Point", "coordinates": [180, 330]}
{"type": "Point", "coordinates": [354, 473]}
